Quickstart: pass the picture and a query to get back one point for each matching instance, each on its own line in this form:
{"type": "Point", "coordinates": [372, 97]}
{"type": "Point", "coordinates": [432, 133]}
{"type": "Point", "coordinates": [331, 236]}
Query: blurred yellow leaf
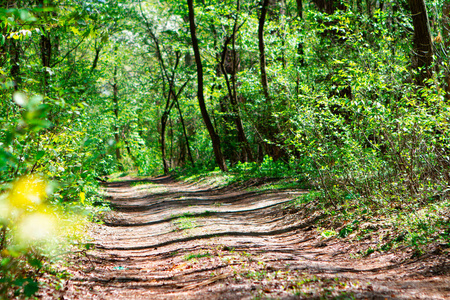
{"type": "Point", "coordinates": [82, 197]}
{"type": "Point", "coordinates": [28, 191]}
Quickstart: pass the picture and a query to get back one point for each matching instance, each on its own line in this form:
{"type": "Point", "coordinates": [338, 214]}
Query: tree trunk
{"type": "Point", "coordinates": [184, 132]}
{"type": "Point", "coordinates": [46, 54]}
{"type": "Point", "coordinates": [262, 54]}
{"type": "Point", "coordinates": [446, 24]}
{"type": "Point", "coordinates": [369, 7]}
{"type": "Point", "coordinates": [359, 6]}
{"type": "Point", "coordinates": [232, 95]}
{"type": "Point", "coordinates": [232, 68]}
{"type": "Point", "coordinates": [116, 126]}
{"type": "Point", "coordinates": [329, 6]}
{"type": "Point", "coordinates": [446, 41]}
{"type": "Point", "coordinates": [46, 51]}
{"type": "Point", "coordinates": [423, 47]}
{"type": "Point", "coordinates": [164, 119]}
{"type": "Point", "coordinates": [172, 99]}
{"type": "Point", "coordinates": [267, 125]}
{"type": "Point", "coordinates": [167, 109]}
{"type": "Point", "coordinates": [300, 50]}
{"type": "Point", "coordinates": [201, 100]}
{"type": "Point", "coordinates": [300, 9]}
{"type": "Point", "coordinates": [96, 57]}
{"type": "Point", "coordinates": [14, 53]}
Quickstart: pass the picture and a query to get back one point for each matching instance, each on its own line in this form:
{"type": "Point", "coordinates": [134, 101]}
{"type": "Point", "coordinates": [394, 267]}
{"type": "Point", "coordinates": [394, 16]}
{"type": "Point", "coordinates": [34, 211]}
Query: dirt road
{"type": "Point", "coordinates": [174, 240]}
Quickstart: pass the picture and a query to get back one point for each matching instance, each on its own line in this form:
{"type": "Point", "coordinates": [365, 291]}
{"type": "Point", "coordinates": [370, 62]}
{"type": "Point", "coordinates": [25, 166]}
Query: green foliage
{"type": "Point", "coordinates": [328, 233]}
{"type": "Point", "coordinates": [267, 168]}
{"type": "Point", "coordinates": [16, 281]}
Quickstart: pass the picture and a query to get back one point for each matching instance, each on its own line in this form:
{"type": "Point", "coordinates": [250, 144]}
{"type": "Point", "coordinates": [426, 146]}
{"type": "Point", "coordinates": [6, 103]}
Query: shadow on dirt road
{"type": "Point", "coordinates": [173, 240]}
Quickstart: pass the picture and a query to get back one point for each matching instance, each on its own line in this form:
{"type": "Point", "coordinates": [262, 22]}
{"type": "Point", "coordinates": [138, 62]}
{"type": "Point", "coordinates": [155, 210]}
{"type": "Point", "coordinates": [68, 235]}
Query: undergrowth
{"type": "Point", "coordinates": [418, 225]}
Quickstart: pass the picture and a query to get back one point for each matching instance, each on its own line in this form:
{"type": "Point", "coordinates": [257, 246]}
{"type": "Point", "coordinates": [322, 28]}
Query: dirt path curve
{"type": "Point", "coordinates": [173, 240]}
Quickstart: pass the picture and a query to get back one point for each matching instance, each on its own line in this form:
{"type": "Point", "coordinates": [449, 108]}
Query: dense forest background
{"type": "Point", "coordinates": [349, 98]}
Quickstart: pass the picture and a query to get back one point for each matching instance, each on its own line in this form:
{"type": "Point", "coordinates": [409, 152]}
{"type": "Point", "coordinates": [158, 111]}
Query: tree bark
{"type": "Point", "coordinates": [14, 53]}
{"type": "Point", "coordinates": [329, 6]}
{"type": "Point", "coordinates": [300, 9]}
{"type": "Point", "coordinates": [184, 132]}
{"type": "Point", "coordinates": [46, 51]}
{"type": "Point", "coordinates": [164, 118]}
{"type": "Point", "coordinates": [46, 54]}
{"type": "Point", "coordinates": [446, 41]}
{"type": "Point", "coordinates": [369, 7]}
{"type": "Point", "coordinates": [167, 109]}
{"type": "Point", "coordinates": [423, 47]}
{"type": "Point", "coordinates": [300, 50]}
{"type": "Point", "coordinates": [215, 139]}
{"type": "Point", "coordinates": [116, 125]}
{"type": "Point", "coordinates": [262, 54]}
{"type": "Point", "coordinates": [96, 57]}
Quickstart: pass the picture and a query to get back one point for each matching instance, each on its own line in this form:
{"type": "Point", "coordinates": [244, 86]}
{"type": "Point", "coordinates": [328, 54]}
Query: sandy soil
{"type": "Point", "coordinates": [174, 240]}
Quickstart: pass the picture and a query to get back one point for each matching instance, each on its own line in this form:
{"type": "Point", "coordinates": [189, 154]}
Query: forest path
{"type": "Point", "coordinates": [174, 240]}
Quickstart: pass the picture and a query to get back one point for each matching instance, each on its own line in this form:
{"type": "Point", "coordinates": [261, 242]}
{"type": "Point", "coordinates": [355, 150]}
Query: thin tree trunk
{"type": "Point", "coordinates": [369, 7]}
{"type": "Point", "coordinates": [116, 126]}
{"type": "Point", "coordinates": [201, 100]}
{"type": "Point", "coordinates": [359, 6]}
{"type": "Point", "coordinates": [184, 132]}
{"type": "Point", "coordinates": [164, 119]}
{"type": "Point", "coordinates": [3, 233]}
{"type": "Point", "coordinates": [300, 9]}
{"type": "Point", "coordinates": [232, 95]}
{"type": "Point", "coordinates": [46, 53]}
{"type": "Point", "coordinates": [423, 46]}
{"type": "Point", "coordinates": [97, 56]}
{"type": "Point", "coordinates": [166, 112]}
{"type": "Point", "coordinates": [268, 123]}
{"type": "Point", "coordinates": [446, 41]}
{"type": "Point", "coordinates": [235, 105]}
{"type": "Point", "coordinates": [168, 108]}
{"type": "Point", "coordinates": [262, 54]}
{"type": "Point", "coordinates": [14, 53]}
{"type": "Point", "coordinates": [300, 50]}
{"type": "Point", "coordinates": [232, 89]}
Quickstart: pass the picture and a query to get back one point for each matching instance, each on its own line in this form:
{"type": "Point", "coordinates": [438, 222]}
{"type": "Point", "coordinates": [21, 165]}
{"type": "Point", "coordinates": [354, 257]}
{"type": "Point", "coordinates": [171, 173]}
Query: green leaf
{"type": "Point", "coordinates": [31, 288]}
{"type": "Point", "coordinates": [35, 263]}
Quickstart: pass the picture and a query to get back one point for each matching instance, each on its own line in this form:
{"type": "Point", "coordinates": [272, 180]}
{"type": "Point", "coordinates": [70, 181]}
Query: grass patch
{"type": "Point", "coordinates": [185, 222]}
{"type": "Point", "coordinates": [197, 256]}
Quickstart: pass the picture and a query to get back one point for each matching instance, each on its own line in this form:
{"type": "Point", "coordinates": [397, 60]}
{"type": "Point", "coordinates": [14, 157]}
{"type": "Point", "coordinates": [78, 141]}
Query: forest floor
{"type": "Point", "coordinates": [167, 239]}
